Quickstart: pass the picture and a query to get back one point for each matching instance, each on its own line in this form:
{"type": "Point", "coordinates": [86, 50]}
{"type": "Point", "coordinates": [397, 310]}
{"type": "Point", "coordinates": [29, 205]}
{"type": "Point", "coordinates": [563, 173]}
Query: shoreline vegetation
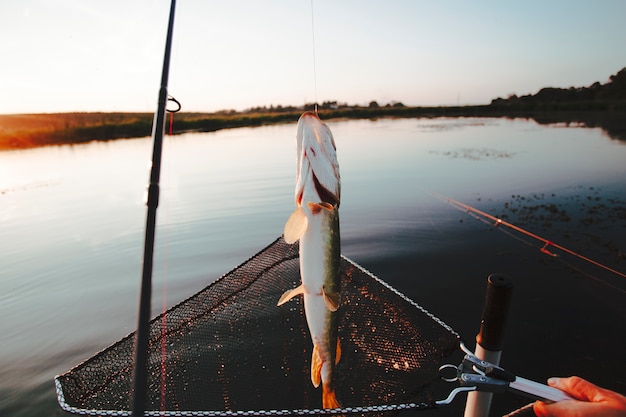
{"type": "Point", "coordinates": [599, 105]}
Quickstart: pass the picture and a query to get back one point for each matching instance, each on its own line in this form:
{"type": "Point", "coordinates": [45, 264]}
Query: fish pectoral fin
{"type": "Point", "coordinates": [295, 226]}
{"type": "Point", "coordinates": [316, 367]}
{"type": "Point", "coordinates": [317, 207]}
{"type": "Point", "coordinates": [289, 294]}
{"type": "Point", "coordinates": [331, 299]}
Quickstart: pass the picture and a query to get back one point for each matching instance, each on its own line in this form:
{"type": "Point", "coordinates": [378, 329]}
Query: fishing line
{"type": "Point", "coordinates": [163, 340]}
{"type": "Point", "coordinates": [166, 239]}
{"type": "Point", "coordinates": [314, 58]}
{"type": "Point", "coordinates": [547, 244]}
{"type": "Point", "coordinates": [171, 112]}
{"type": "Point", "coordinates": [172, 105]}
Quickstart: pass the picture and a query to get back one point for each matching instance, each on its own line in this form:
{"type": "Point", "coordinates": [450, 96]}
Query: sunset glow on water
{"type": "Point", "coordinates": [72, 218]}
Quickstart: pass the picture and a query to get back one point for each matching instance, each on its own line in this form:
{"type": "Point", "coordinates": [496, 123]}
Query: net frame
{"type": "Point", "coordinates": [77, 393]}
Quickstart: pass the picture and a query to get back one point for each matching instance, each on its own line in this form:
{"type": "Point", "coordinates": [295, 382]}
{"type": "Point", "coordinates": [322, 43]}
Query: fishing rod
{"type": "Point", "coordinates": [546, 243]}
{"type": "Point", "coordinates": [152, 202]}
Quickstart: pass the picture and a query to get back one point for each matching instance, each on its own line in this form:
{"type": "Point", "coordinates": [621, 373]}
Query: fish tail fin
{"type": "Point", "coordinates": [329, 399]}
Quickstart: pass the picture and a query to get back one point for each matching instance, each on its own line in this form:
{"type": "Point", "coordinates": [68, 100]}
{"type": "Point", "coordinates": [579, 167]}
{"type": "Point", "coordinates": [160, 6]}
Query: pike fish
{"type": "Point", "coordinates": [315, 222]}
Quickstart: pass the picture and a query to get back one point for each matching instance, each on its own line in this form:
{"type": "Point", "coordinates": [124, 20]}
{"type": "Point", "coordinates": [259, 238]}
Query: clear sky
{"type": "Point", "coordinates": [94, 55]}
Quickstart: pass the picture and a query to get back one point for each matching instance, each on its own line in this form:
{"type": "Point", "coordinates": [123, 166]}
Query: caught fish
{"type": "Point", "coordinates": [315, 222]}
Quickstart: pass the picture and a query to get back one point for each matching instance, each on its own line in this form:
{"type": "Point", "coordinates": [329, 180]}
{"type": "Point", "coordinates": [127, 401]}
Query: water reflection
{"type": "Point", "coordinates": [72, 217]}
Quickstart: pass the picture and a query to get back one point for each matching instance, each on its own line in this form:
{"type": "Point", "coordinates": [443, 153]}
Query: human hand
{"type": "Point", "coordinates": [590, 400]}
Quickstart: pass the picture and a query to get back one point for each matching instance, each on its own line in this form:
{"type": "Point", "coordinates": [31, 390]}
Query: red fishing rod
{"type": "Point", "coordinates": [547, 244]}
{"type": "Point", "coordinates": [142, 336]}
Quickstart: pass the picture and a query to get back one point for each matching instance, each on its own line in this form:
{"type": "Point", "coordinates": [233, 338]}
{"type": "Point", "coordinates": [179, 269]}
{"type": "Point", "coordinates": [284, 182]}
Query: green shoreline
{"type": "Point", "coordinates": [22, 131]}
{"type": "Point", "coordinates": [599, 105]}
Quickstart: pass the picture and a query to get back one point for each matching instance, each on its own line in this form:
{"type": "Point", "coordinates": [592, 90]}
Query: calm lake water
{"type": "Point", "coordinates": [72, 221]}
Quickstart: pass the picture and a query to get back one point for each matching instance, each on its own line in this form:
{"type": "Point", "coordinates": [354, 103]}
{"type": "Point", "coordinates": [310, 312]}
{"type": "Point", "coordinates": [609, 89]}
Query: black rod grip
{"type": "Point", "coordinates": [495, 312]}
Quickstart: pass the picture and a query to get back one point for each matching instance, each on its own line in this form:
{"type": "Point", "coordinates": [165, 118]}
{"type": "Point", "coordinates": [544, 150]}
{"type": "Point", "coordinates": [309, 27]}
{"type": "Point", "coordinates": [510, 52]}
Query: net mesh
{"type": "Point", "coordinates": [229, 350]}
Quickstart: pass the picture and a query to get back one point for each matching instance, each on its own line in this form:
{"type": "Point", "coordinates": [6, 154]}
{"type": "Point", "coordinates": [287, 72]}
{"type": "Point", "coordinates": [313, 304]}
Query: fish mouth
{"type": "Point", "coordinates": [318, 176]}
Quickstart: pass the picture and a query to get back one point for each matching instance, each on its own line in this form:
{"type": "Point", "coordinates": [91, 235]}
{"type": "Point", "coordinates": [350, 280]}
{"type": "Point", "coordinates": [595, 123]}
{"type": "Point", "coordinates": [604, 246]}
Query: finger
{"type": "Point", "coordinates": [577, 387]}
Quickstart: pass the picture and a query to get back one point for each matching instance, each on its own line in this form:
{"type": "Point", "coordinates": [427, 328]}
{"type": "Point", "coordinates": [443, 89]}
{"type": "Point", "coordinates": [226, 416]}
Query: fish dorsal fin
{"type": "Point", "coordinates": [316, 367]}
{"type": "Point", "coordinates": [331, 299]}
{"type": "Point", "coordinates": [289, 294]}
{"type": "Point", "coordinates": [295, 226]}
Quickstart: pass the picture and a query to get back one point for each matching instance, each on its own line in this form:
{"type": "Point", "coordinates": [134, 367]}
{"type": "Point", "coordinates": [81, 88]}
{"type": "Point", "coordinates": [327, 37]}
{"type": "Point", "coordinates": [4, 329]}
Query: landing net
{"type": "Point", "coordinates": [230, 351]}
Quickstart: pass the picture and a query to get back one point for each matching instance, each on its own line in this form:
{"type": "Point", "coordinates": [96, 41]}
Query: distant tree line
{"type": "Point", "coordinates": [599, 105]}
{"type": "Point", "coordinates": [611, 95]}
{"type": "Point", "coordinates": [326, 105]}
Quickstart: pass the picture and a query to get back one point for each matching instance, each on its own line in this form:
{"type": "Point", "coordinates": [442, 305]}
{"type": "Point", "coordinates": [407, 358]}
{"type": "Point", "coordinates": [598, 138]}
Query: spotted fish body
{"type": "Point", "coordinates": [315, 223]}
